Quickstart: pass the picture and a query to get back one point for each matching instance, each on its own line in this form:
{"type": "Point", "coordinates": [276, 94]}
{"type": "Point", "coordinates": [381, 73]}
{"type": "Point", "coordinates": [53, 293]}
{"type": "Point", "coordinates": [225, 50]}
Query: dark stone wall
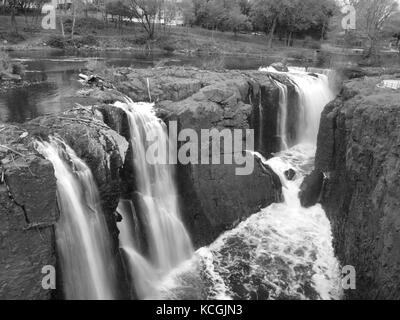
{"type": "Point", "coordinates": [359, 152]}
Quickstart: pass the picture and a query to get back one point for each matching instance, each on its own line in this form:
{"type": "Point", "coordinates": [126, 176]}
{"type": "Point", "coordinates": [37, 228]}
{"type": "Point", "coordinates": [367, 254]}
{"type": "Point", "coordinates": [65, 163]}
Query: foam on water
{"type": "Point", "coordinates": [283, 252]}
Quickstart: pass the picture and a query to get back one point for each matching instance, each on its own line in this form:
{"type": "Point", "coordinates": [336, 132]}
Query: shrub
{"type": "Point", "coordinates": [56, 42]}
{"type": "Point", "coordinates": [9, 67]}
{"type": "Point", "coordinates": [168, 47]}
{"type": "Point", "coordinates": [88, 40]}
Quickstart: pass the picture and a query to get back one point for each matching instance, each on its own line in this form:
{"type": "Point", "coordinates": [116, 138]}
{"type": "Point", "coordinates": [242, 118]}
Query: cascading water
{"type": "Point", "coordinates": [282, 114]}
{"type": "Point", "coordinates": [314, 92]}
{"type": "Point", "coordinates": [82, 236]}
{"type": "Point", "coordinates": [169, 242]}
{"type": "Point", "coordinates": [283, 252]}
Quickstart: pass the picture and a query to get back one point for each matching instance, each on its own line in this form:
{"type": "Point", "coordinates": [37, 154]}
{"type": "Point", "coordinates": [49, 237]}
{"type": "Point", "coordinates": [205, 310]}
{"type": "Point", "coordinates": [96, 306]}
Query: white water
{"type": "Point", "coordinates": [314, 92]}
{"type": "Point", "coordinates": [282, 114]}
{"type": "Point", "coordinates": [82, 236]}
{"type": "Point", "coordinates": [284, 251]}
{"type": "Point", "coordinates": [169, 242]}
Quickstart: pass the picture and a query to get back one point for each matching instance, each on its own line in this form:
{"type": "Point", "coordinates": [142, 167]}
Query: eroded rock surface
{"type": "Point", "coordinates": [359, 151]}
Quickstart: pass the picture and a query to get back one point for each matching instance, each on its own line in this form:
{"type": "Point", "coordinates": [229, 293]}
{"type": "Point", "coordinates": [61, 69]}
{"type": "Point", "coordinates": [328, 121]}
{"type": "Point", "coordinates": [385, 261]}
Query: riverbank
{"type": "Point", "coordinates": [93, 34]}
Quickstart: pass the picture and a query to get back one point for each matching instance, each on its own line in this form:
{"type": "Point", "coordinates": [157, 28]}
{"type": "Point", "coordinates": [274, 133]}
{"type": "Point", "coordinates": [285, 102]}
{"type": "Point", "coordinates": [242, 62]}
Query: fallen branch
{"type": "Point", "coordinates": [12, 150]}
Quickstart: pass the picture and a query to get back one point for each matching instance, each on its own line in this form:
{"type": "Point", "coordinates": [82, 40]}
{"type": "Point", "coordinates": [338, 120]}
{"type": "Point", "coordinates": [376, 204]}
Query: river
{"type": "Point", "coordinates": [58, 92]}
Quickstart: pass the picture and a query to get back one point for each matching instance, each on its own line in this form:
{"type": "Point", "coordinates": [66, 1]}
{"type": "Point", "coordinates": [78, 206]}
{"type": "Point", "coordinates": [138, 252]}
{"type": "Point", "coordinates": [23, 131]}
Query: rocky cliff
{"type": "Point", "coordinates": [359, 154]}
{"type": "Point", "coordinates": [213, 198]}
{"type": "Point", "coordinates": [28, 204]}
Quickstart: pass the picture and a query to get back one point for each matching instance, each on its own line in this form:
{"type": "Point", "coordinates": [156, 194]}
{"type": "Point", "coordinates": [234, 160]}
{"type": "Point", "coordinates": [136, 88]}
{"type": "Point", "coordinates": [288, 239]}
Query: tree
{"type": "Point", "coordinates": [188, 12]}
{"type": "Point", "coordinates": [266, 14]}
{"type": "Point", "coordinates": [120, 10]}
{"type": "Point", "coordinates": [236, 21]}
{"type": "Point", "coordinates": [146, 12]}
{"type": "Point", "coordinates": [13, 4]}
{"type": "Point", "coordinates": [292, 16]}
{"type": "Point", "coordinates": [372, 16]}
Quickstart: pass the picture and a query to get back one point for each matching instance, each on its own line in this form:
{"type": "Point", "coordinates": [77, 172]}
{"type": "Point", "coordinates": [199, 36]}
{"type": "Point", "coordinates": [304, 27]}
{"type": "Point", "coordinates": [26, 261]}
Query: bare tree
{"type": "Point", "coordinates": [146, 12]}
{"type": "Point", "coordinates": [372, 16]}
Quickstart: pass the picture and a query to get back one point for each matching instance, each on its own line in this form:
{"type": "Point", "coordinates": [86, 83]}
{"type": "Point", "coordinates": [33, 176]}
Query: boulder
{"type": "Point", "coordinates": [279, 66]}
{"type": "Point", "coordinates": [311, 188]}
{"type": "Point", "coordinates": [290, 174]}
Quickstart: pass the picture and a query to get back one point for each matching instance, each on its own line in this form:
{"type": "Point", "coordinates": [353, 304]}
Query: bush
{"type": "Point", "coordinates": [56, 42]}
{"type": "Point", "coordinates": [8, 67]}
{"type": "Point", "coordinates": [84, 25]}
{"type": "Point", "coordinates": [168, 47]}
{"type": "Point", "coordinates": [12, 37]}
{"type": "Point", "coordinates": [86, 41]}
{"type": "Point", "coordinates": [141, 40]}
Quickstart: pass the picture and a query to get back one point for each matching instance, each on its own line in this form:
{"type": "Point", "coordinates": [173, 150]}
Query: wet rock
{"type": "Point", "coordinates": [290, 174]}
{"type": "Point", "coordinates": [28, 212]}
{"type": "Point", "coordinates": [311, 188]}
{"type": "Point", "coordinates": [279, 66]}
{"type": "Point", "coordinates": [28, 209]}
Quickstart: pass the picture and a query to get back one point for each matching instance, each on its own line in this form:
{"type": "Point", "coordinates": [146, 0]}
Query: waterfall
{"type": "Point", "coordinates": [82, 237]}
{"type": "Point", "coordinates": [282, 114]}
{"type": "Point", "coordinates": [168, 240]}
{"type": "Point", "coordinates": [314, 92]}
{"type": "Point", "coordinates": [285, 251]}
{"type": "Point", "coordinates": [261, 124]}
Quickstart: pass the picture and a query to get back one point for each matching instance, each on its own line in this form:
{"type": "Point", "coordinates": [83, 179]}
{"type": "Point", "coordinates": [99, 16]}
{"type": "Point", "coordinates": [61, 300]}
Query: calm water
{"type": "Point", "coordinates": [58, 93]}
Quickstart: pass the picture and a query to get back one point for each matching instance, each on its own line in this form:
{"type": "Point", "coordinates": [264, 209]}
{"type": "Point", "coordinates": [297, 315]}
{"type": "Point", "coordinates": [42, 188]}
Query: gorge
{"type": "Point", "coordinates": [193, 230]}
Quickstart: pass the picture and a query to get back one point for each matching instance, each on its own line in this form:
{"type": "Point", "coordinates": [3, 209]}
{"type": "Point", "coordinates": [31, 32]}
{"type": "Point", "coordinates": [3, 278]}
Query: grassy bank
{"type": "Point", "coordinates": [95, 34]}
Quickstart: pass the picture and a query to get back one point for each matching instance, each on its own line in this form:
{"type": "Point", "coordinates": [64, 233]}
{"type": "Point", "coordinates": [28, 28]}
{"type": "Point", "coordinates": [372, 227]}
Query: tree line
{"type": "Point", "coordinates": [284, 18]}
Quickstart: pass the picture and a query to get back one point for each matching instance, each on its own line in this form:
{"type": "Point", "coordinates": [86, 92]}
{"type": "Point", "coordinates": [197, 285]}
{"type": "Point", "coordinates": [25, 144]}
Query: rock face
{"type": "Point", "coordinates": [28, 195]}
{"type": "Point", "coordinates": [311, 188]}
{"type": "Point", "coordinates": [213, 197]}
{"type": "Point", "coordinates": [359, 150]}
{"type": "Point", "coordinates": [28, 211]}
